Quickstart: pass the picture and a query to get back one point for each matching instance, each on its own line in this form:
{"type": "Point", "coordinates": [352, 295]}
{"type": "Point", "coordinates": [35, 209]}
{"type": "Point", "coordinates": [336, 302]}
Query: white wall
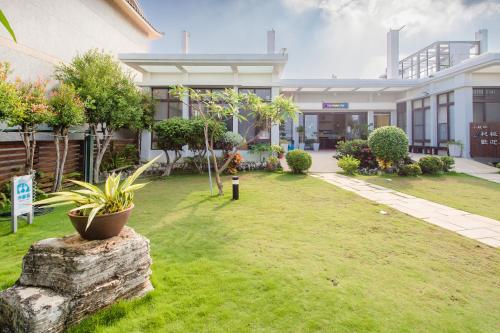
{"type": "Point", "coordinates": [50, 31]}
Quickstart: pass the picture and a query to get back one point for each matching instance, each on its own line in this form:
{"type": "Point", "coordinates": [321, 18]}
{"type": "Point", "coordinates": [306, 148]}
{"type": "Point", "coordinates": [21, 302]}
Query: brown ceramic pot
{"type": "Point", "coordinates": [103, 226]}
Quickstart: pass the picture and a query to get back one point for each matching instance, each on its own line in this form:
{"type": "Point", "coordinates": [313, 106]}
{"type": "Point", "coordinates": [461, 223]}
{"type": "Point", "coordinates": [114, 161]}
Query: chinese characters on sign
{"type": "Point", "coordinates": [329, 105]}
{"type": "Point", "coordinates": [485, 139]}
{"type": "Point", "coordinates": [22, 199]}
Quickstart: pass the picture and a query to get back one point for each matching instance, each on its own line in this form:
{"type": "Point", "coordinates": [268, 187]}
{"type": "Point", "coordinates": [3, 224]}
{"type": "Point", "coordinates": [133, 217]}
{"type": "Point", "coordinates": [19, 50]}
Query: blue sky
{"type": "Point", "coordinates": [323, 37]}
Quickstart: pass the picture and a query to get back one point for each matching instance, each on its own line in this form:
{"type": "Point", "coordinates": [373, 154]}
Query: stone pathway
{"type": "Point", "coordinates": [482, 229]}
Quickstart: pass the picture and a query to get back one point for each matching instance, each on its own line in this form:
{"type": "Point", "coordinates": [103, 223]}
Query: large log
{"type": "Point", "coordinates": [65, 279]}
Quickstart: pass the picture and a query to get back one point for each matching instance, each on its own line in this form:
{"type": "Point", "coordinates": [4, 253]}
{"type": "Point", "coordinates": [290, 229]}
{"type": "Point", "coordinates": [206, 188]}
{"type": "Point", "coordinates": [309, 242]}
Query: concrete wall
{"type": "Point", "coordinates": [49, 32]}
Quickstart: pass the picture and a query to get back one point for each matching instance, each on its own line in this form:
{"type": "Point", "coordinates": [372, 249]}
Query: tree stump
{"type": "Point", "coordinates": [65, 279]}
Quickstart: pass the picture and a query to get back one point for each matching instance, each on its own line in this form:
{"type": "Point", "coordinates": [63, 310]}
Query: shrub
{"type": "Point", "coordinates": [410, 170]}
{"type": "Point", "coordinates": [273, 163]}
{"type": "Point", "coordinates": [358, 149]}
{"type": "Point", "coordinates": [298, 160]}
{"type": "Point", "coordinates": [349, 164]}
{"type": "Point", "coordinates": [230, 140]}
{"type": "Point", "coordinates": [389, 143]}
{"type": "Point", "coordinates": [233, 166]}
{"type": "Point", "coordinates": [448, 163]}
{"type": "Point", "coordinates": [431, 165]}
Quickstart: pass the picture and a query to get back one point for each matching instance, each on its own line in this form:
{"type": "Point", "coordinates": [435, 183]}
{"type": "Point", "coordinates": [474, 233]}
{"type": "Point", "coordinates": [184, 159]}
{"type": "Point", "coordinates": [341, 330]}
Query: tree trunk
{"type": "Point", "coordinates": [55, 185]}
{"type": "Point", "coordinates": [101, 150]}
{"type": "Point", "coordinates": [63, 160]}
{"type": "Point", "coordinates": [170, 166]}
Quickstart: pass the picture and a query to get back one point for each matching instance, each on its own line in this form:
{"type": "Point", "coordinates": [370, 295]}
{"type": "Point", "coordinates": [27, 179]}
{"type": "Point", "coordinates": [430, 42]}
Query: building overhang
{"type": "Point", "coordinates": [346, 85]}
{"type": "Point", "coordinates": [138, 18]}
{"type": "Point", "coordinates": [205, 63]}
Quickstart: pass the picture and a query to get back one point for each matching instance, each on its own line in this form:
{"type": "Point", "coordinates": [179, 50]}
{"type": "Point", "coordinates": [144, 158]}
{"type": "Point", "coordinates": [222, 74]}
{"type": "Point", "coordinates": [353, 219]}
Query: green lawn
{"type": "Point", "coordinates": [294, 254]}
{"type": "Point", "coordinates": [456, 190]}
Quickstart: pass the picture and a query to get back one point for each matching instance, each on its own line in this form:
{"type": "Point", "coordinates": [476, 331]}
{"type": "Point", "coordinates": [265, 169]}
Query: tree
{"type": "Point", "coordinates": [30, 111]}
{"type": "Point", "coordinates": [67, 111]}
{"type": "Point", "coordinates": [9, 97]}
{"type": "Point", "coordinates": [172, 135]}
{"type": "Point", "coordinates": [196, 138]}
{"type": "Point", "coordinates": [111, 99]}
{"type": "Point", "coordinates": [219, 105]}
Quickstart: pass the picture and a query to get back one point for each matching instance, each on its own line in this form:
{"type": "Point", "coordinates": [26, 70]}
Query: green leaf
{"type": "Point", "coordinates": [7, 26]}
{"type": "Point", "coordinates": [92, 214]}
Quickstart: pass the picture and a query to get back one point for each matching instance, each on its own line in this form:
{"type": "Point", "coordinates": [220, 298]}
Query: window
{"type": "Point", "coordinates": [166, 106]}
{"type": "Point", "coordinates": [486, 104]}
{"type": "Point", "coordinates": [286, 130]}
{"type": "Point", "coordinates": [401, 115]}
{"type": "Point", "coordinates": [250, 129]}
{"type": "Point", "coordinates": [382, 119]}
{"type": "Point", "coordinates": [421, 120]}
{"type": "Point", "coordinates": [228, 120]}
{"type": "Point", "coordinates": [445, 105]}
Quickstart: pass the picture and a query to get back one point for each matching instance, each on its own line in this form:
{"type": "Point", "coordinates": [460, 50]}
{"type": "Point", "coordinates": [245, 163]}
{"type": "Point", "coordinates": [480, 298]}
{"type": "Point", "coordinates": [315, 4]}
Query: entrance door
{"type": "Point", "coordinates": [382, 119]}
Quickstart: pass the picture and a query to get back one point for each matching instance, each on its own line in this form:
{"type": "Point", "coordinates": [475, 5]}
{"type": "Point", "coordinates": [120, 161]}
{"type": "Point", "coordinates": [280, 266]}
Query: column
{"type": "Point", "coordinates": [185, 115]}
{"type": "Point", "coordinates": [371, 120]}
{"type": "Point", "coordinates": [275, 128]}
{"type": "Point", "coordinates": [394, 120]}
{"type": "Point", "coordinates": [463, 117]}
{"type": "Point", "coordinates": [235, 120]}
{"type": "Point", "coordinates": [409, 123]}
{"type": "Point", "coordinates": [433, 120]}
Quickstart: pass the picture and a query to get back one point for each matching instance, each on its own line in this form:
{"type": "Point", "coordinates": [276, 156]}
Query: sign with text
{"type": "Point", "coordinates": [22, 199]}
{"type": "Point", "coordinates": [485, 139]}
{"type": "Point", "coordinates": [335, 106]}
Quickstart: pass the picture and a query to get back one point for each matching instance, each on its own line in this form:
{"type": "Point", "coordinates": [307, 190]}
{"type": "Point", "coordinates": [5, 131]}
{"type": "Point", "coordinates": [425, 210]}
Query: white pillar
{"type": "Point", "coordinates": [235, 120]}
{"type": "Point", "coordinates": [145, 145]}
{"type": "Point", "coordinates": [275, 128]}
{"type": "Point", "coordinates": [463, 117]}
{"type": "Point", "coordinates": [394, 120]}
{"type": "Point", "coordinates": [371, 119]}
{"type": "Point", "coordinates": [409, 121]}
{"type": "Point", "coordinates": [393, 54]}
{"type": "Point", "coordinates": [482, 37]}
{"type": "Point", "coordinates": [185, 115]}
{"type": "Point", "coordinates": [433, 120]}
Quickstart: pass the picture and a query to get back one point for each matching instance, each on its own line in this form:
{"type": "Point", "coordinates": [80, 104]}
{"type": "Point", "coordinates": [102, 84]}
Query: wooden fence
{"type": "Point", "coordinates": [13, 155]}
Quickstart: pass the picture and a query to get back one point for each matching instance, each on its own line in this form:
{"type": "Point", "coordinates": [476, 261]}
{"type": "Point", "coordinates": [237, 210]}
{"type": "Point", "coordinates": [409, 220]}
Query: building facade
{"type": "Point", "coordinates": [435, 95]}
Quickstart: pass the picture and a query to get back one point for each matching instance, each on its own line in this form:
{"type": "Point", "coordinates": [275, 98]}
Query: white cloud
{"type": "Point", "coordinates": [356, 29]}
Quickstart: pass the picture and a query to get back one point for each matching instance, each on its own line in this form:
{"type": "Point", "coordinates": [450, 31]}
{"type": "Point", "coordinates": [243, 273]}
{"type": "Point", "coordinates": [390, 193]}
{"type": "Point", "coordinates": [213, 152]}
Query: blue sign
{"type": "Point", "coordinates": [335, 106]}
{"type": "Point", "coordinates": [23, 191]}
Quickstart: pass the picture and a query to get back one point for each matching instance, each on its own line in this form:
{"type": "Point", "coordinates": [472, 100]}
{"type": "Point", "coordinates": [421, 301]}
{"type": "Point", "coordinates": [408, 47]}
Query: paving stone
{"type": "Point", "coordinates": [478, 227]}
{"type": "Point", "coordinates": [478, 233]}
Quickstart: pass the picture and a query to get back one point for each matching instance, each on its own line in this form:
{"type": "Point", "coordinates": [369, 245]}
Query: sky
{"type": "Point", "coordinates": [345, 38]}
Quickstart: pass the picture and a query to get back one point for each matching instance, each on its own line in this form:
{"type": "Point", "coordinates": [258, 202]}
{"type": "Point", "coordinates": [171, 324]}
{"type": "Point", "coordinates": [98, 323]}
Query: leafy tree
{"type": "Point", "coordinates": [219, 105]}
{"type": "Point", "coordinates": [196, 138]}
{"type": "Point", "coordinates": [9, 97]}
{"type": "Point", "coordinates": [111, 99]}
{"type": "Point", "coordinates": [30, 111]}
{"type": "Point", "coordinates": [67, 111]}
{"type": "Point", "coordinates": [172, 135]}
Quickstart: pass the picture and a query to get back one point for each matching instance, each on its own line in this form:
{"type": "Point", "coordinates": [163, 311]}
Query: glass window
{"type": "Point", "coordinates": [401, 115]}
{"type": "Point", "coordinates": [166, 106]}
{"type": "Point", "coordinates": [478, 112]}
{"type": "Point", "coordinates": [382, 119]}
{"type": "Point", "coordinates": [286, 130]}
{"type": "Point", "coordinates": [421, 121]}
{"type": "Point", "coordinates": [253, 130]}
{"type": "Point", "coordinates": [444, 114]}
{"type": "Point", "coordinates": [492, 112]}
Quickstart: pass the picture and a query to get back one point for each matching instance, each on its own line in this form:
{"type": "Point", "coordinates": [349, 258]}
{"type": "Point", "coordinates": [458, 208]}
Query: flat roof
{"type": "Point", "coordinates": [204, 63]}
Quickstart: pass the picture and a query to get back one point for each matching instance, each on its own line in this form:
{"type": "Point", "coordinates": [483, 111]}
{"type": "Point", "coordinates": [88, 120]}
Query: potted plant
{"type": "Point", "coordinates": [455, 148]}
{"type": "Point", "coordinates": [278, 150]}
{"type": "Point", "coordinates": [301, 131]}
{"type": "Point", "coordinates": [100, 214]}
{"type": "Point", "coordinates": [284, 145]}
{"type": "Point", "coordinates": [316, 145]}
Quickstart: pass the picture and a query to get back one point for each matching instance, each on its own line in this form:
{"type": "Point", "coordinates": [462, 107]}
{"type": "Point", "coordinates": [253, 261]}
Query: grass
{"type": "Point", "coordinates": [294, 254]}
{"type": "Point", "coordinates": [457, 190]}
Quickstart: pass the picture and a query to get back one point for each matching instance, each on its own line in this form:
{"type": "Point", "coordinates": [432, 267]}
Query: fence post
{"type": "Point", "coordinates": [88, 156]}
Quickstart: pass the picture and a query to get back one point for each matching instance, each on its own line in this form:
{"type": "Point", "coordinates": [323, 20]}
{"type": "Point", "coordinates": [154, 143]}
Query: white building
{"type": "Point", "coordinates": [434, 94]}
{"type": "Point", "coordinates": [52, 32]}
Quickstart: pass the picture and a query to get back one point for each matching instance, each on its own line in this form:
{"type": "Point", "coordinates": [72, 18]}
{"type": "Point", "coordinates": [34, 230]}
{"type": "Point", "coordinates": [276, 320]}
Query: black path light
{"type": "Point", "coordinates": [236, 187]}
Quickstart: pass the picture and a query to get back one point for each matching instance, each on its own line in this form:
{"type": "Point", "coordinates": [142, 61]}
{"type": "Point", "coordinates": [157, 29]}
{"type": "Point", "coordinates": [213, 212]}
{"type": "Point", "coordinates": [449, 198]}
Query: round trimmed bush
{"type": "Point", "coordinates": [410, 170]}
{"type": "Point", "coordinates": [298, 160]}
{"type": "Point", "coordinates": [431, 165]}
{"type": "Point", "coordinates": [448, 163]}
{"type": "Point", "coordinates": [349, 164]}
{"type": "Point", "coordinates": [389, 143]}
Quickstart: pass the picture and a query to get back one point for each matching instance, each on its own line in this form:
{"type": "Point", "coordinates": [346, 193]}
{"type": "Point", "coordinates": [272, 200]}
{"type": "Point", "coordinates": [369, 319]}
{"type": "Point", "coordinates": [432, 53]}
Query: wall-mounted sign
{"type": "Point", "coordinates": [485, 139]}
{"type": "Point", "coordinates": [22, 199]}
{"type": "Point", "coordinates": [335, 106]}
